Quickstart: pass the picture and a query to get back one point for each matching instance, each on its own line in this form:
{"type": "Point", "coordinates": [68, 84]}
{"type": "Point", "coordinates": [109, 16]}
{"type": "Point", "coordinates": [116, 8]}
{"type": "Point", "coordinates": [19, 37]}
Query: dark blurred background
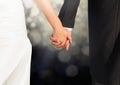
{"type": "Point", "coordinates": [52, 66]}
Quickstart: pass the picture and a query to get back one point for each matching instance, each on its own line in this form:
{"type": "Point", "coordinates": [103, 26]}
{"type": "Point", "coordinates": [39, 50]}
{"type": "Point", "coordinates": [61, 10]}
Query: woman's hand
{"type": "Point", "coordinates": [61, 38]}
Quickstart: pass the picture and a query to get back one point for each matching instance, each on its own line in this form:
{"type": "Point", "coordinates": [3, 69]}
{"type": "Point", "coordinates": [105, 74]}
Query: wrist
{"type": "Point", "coordinates": [58, 28]}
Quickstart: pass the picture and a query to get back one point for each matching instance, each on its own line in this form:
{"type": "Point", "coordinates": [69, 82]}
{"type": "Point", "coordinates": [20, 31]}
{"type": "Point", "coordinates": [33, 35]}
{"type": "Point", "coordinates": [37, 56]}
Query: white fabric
{"type": "Point", "coordinates": [70, 29]}
{"type": "Point", "coordinates": [15, 47]}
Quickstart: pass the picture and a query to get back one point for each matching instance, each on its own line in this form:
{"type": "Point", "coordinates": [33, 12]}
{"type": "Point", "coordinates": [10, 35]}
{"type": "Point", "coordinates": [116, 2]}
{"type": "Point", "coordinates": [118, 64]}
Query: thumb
{"type": "Point", "coordinates": [70, 39]}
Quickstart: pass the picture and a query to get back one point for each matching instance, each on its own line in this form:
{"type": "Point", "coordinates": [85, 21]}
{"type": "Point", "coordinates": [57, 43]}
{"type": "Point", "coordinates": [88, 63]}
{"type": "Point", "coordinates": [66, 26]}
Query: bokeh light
{"type": "Point", "coordinates": [64, 56]}
{"type": "Point", "coordinates": [72, 71]}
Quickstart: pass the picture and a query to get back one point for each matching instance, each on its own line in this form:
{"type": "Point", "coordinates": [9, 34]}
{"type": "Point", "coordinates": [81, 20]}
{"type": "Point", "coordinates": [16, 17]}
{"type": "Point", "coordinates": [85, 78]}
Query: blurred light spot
{"type": "Point", "coordinates": [29, 20]}
{"type": "Point", "coordinates": [35, 37]}
{"type": "Point", "coordinates": [34, 12]}
{"type": "Point", "coordinates": [33, 25]}
{"type": "Point", "coordinates": [85, 50]}
{"type": "Point", "coordinates": [64, 56]}
{"type": "Point", "coordinates": [76, 50]}
{"type": "Point", "coordinates": [72, 71]}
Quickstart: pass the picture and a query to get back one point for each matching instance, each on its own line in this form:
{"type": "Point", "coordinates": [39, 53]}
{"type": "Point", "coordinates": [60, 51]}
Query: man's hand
{"type": "Point", "coordinates": [65, 36]}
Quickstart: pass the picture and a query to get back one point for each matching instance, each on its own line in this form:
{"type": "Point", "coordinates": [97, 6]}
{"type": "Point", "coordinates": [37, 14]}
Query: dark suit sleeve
{"type": "Point", "coordinates": [68, 12]}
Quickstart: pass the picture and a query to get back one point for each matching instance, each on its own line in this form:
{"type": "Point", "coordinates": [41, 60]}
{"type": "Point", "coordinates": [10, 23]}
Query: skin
{"type": "Point", "coordinates": [61, 37]}
{"type": "Point", "coordinates": [65, 44]}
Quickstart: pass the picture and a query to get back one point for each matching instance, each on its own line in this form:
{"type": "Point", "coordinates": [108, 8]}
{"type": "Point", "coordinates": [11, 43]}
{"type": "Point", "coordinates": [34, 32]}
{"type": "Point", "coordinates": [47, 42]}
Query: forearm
{"type": "Point", "coordinates": [49, 12]}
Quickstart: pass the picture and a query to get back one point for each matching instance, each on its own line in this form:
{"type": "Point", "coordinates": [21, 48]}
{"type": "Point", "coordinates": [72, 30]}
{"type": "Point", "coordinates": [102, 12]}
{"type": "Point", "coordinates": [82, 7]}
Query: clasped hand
{"type": "Point", "coordinates": [61, 38]}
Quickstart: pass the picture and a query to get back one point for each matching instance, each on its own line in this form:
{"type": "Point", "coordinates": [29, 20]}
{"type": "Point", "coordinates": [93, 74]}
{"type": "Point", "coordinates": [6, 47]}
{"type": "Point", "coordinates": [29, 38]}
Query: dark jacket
{"type": "Point", "coordinates": [104, 32]}
{"type": "Point", "coordinates": [68, 12]}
